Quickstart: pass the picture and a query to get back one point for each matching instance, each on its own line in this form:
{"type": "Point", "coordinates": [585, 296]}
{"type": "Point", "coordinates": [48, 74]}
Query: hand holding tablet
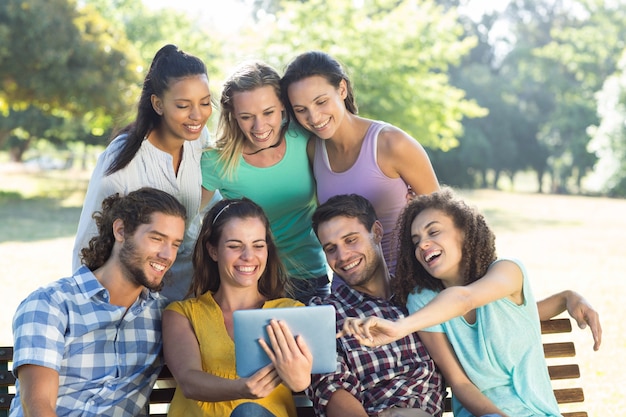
{"type": "Point", "coordinates": [315, 324]}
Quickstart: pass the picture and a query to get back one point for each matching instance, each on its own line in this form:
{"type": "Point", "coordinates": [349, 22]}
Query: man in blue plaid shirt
{"type": "Point", "coordinates": [90, 344]}
{"type": "Point", "coordinates": [383, 379]}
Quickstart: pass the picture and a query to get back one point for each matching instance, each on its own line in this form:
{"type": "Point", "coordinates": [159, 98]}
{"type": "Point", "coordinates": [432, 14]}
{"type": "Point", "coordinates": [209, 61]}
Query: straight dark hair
{"type": "Point", "coordinates": [314, 63]}
{"type": "Point", "coordinates": [169, 64]}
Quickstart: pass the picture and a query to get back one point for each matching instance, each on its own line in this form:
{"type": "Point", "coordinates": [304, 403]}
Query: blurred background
{"type": "Point", "coordinates": [520, 104]}
{"type": "Point", "coordinates": [491, 89]}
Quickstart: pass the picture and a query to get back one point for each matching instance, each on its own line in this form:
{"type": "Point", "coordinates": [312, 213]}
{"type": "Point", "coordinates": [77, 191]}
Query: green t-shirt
{"type": "Point", "coordinates": [286, 192]}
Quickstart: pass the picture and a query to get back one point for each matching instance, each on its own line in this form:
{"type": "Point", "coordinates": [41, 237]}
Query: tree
{"type": "Point", "coordinates": [609, 138]}
{"type": "Point", "coordinates": [64, 62]}
{"type": "Point", "coordinates": [585, 52]}
{"type": "Point", "coordinates": [83, 64]}
{"type": "Point", "coordinates": [567, 49]}
{"type": "Point", "coordinates": [397, 54]}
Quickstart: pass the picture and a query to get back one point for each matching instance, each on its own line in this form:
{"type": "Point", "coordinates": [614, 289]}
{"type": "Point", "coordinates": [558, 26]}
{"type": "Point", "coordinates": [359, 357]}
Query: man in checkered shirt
{"type": "Point", "coordinates": [90, 344]}
{"type": "Point", "coordinates": [368, 381]}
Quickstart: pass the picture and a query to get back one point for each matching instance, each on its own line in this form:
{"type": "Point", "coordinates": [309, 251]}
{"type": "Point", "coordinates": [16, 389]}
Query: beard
{"type": "Point", "coordinates": [132, 263]}
{"type": "Point", "coordinates": [373, 259]}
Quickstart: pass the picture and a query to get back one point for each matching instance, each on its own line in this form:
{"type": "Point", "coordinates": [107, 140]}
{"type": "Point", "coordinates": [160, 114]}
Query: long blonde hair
{"type": "Point", "coordinates": [248, 76]}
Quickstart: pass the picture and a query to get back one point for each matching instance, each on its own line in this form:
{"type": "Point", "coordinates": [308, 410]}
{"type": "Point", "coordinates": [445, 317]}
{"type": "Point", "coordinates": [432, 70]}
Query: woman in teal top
{"type": "Point", "coordinates": [448, 273]}
{"type": "Point", "coordinates": [260, 156]}
{"type": "Point", "coordinates": [501, 352]}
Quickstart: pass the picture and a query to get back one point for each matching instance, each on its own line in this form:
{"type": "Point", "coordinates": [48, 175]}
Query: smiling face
{"type": "Point", "coordinates": [352, 251]}
{"type": "Point", "coordinates": [438, 246]}
{"type": "Point", "coordinates": [149, 253]}
{"type": "Point", "coordinates": [241, 253]}
{"type": "Point", "coordinates": [259, 115]}
{"type": "Point", "coordinates": [184, 108]}
{"type": "Point", "coordinates": [318, 105]}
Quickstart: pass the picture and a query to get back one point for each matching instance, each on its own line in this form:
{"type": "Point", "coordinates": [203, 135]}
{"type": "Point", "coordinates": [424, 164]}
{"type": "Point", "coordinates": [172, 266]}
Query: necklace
{"type": "Point", "coordinates": [276, 145]}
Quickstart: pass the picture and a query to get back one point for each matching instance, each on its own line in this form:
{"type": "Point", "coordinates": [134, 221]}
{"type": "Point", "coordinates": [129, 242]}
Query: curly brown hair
{"type": "Point", "coordinates": [273, 282]}
{"type": "Point", "coordinates": [478, 252]}
{"type": "Point", "coordinates": [134, 209]}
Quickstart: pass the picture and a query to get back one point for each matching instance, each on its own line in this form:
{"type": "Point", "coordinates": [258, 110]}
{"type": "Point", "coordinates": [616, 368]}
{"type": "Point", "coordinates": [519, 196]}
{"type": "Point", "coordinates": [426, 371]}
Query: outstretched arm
{"type": "Point", "coordinates": [503, 279]}
{"type": "Point", "coordinates": [577, 307]}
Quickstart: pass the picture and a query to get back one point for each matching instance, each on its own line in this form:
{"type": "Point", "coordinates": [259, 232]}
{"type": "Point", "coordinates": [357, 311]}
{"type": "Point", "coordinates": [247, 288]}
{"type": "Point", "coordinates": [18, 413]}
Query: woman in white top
{"type": "Point", "coordinates": [161, 149]}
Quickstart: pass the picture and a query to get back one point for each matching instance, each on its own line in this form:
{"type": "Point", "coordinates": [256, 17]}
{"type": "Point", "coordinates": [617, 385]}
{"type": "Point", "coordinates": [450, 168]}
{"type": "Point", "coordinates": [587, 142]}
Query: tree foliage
{"type": "Point", "coordinates": [397, 54]}
{"type": "Point", "coordinates": [609, 138]}
{"type": "Point", "coordinates": [537, 67]}
{"type": "Point", "coordinates": [81, 65]}
{"type": "Point", "coordinates": [59, 61]}
{"type": "Point", "coordinates": [523, 87]}
{"type": "Point", "coordinates": [56, 56]}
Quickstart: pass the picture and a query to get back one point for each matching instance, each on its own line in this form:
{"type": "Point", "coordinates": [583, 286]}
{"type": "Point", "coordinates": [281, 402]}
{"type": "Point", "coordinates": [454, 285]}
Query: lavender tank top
{"type": "Point", "coordinates": [387, 195]}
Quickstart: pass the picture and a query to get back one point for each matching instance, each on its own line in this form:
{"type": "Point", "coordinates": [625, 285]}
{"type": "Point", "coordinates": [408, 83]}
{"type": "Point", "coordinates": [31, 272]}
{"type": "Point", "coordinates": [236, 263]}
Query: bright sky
{"type": "Point", "coordinates": [227, 13]}
{"type": "Point", "coordinates": [224, 13]}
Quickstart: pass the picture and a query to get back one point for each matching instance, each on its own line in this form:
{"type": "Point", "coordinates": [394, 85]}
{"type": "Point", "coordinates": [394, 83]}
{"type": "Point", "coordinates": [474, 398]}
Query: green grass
{"type": "Point", "coordinates": [40, 206]}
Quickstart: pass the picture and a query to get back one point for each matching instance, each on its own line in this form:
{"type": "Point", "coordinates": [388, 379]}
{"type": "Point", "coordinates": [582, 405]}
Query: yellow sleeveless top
{"type": "Point", "coordinates": [218, 358]}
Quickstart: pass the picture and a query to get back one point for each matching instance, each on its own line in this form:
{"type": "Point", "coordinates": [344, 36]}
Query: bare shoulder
{"type": "Point", "coordinates": [507, 266]}
{"type": "Point", "coordinates": [510, 275]}
{"type": "Point", "coordinates": [393, 141]}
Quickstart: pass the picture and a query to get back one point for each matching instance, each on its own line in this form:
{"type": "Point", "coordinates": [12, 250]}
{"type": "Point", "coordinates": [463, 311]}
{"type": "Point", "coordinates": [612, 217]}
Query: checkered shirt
{"type": "Point", "coordinates": [107, 357]}
{"type": "Point", "coordinates": [400, 374]}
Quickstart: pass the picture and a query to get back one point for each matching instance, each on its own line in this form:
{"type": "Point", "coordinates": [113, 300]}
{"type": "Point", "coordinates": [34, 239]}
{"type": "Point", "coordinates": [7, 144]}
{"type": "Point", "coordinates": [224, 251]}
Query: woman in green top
{"type": "Point", "coordinates": [259, 155]}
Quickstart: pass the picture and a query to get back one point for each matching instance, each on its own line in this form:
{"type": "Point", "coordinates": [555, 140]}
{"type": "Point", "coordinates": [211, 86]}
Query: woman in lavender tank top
{"type": "Point", "coordinates": [352, 154]}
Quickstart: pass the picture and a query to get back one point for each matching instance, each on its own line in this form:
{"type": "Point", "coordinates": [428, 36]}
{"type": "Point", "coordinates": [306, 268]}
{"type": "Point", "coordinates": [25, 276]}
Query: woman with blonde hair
{"type": "Point", "coordinates": [261, 156]}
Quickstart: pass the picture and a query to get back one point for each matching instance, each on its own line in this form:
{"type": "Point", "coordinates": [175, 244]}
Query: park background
{"type": "Point", "coordinates": [520, 104]}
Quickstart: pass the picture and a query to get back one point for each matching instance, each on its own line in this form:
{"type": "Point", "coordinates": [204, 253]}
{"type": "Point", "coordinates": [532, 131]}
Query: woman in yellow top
{"type": "Point", "coordinates": [236, 266]}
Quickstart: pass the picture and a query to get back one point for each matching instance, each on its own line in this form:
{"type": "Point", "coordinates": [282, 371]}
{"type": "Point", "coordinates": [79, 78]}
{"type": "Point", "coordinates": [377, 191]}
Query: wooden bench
{"type": "Point", "coordinates": [564, 376]}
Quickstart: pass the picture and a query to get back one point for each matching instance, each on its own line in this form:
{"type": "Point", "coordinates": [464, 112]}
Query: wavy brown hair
{"type": "Point", "coordinates": [134, 209]}
{"type": "Point", "coordinates": [477, 253]}
{"type": "Point", "coordinates": [273, 282]}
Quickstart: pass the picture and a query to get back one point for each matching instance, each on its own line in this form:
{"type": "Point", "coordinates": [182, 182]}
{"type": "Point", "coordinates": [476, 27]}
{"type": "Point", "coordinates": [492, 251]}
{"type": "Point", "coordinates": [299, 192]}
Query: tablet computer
{"type": "Point", "coordinates": [316, 324]}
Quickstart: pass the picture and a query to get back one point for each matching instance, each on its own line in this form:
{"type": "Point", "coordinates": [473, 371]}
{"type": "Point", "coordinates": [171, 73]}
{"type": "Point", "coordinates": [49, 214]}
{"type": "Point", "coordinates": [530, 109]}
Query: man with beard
{"type": "Point", "coordinates": [90, 344]}
{"type": "Point", "coordinates": [397, 378]}
{"type": "Point", "coordinates": [400, 378]}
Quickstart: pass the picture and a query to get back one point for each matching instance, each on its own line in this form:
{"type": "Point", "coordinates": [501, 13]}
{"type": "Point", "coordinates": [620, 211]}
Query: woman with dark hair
{"type": "Point", "coordinates": [352, 154]}
{"type": "Point", "coordinates": [236, 267]}
{"type": "Point", "coordinates": [475, 312]}
{"type": "Point", "coordinates": [160, 149]}
{"type": "Point", "coordinates": [259, 155]}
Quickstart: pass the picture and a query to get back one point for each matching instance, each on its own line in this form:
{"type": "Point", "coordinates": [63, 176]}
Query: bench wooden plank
{"type": "Point", "coordinates": [559, 350]}
{"type": "Point", "coordinates": [556, 326]}
{"type": "Point", "coordinates": [557, 372]}
{"type": "Point", "coordinates": [569, 395]}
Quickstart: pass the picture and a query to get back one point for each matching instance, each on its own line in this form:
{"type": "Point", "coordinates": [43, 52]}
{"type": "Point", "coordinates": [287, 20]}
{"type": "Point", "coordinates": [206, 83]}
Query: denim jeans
{"type": "Point", "coordinates": [305, 289]}
{"type": "Point", "coordinates": [251, 410]}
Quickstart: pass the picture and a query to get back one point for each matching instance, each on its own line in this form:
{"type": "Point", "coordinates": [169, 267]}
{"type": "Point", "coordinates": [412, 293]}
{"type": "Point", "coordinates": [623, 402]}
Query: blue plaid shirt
{"type": "Point", "coordinates": [400, 374]}
{"type": "Point", "coordinates": [107, 357]}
